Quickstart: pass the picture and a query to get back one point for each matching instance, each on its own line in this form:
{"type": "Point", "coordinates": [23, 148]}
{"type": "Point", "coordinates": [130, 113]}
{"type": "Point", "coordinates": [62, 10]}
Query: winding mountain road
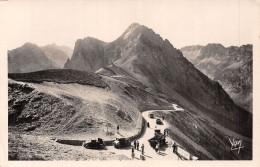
{"type": "Point", "coordinates": [166, 152]}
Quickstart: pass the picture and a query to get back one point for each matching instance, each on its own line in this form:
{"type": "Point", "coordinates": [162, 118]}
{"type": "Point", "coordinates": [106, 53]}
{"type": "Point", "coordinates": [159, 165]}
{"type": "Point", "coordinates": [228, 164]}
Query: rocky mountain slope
{"type": "Point", "coordinates": [28, 58]}
{"type": "Point", "coordinates": [80, 100]}
{"type": "Point", "coordinates": [55, 54]}
{"type": "Point", "coordinates": [231, 67]}
{"type": "Point", "coordinates": [88, 55]}
{"type": "Point", "coordinates": [72, 104]}
{"type": "Point", "coordinates": [142, 54]}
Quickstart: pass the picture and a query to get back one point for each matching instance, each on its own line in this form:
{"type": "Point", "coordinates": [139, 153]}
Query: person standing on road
{"type": "Point", "coordinates": [165, 133]}
{"type": "Point", "coordinates": [157, 147]}
{"type": "Point", "coordinates": [137, 145]}
{"type": "Point", "coordinates": [117, 128]}
{"type": "Point", "coordinates": [174, 146]}
{"type": "Point", "coordinates": [142, 149]}
{"type": "Point", "coordinates": [148, 125]}
{"type": "Point", "coordinates": [133, 153]}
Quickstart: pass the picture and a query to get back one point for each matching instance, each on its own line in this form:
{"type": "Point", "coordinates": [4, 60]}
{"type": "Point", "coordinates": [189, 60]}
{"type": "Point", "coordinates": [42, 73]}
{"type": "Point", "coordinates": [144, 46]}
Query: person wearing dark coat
{"type": "Point", "coordinates": [137, 145]}
{"type": "Point", "coordinates": [117, 128]}
{"type": "Point", "coordinates": [133, 153]}
{"type": "Point", "coordinates": [148, 125]}
{"type": "Point", "coordinates": [157, 147]}
{"type": "Point", "coordinates": [142, 149]}
{"type": "Point", "coordinates": [174, 146]}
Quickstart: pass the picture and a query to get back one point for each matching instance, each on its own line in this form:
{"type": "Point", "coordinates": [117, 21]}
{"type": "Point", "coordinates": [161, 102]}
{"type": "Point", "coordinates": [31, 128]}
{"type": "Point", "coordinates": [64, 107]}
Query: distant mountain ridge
{"type": "Point", "coordinates": [28, 58]}
{"type": "Point", "coordinates": [66, 49]}
{"type": "Point", "coordinates": [231, 66]}
{"type": "Point", "coordinates": [142, 54]}
{"type": "Point", "coordinates": [55, 54]}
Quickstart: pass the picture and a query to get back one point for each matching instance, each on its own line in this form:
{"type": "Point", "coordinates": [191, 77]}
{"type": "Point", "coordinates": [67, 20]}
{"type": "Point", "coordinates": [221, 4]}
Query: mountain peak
{"type": "Point", "coordinates": [89, 40]}
{"type": "Point", "coordinates": [30, 45]}
{"type": "Point", "coordinates": [134, 25]}
{"type": "Point", "coordinates": [134, 30]}
{"type": "Point", "coordinates": [215, 46]}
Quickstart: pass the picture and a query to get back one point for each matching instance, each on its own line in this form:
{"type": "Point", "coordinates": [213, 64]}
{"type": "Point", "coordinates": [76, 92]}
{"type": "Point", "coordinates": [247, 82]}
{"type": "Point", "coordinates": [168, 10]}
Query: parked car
{"type": "Point", "coordinates": [95, 144]}
{"type": "Point", "coordinates": [159, 122]}
{"type": "Point", "coordinates": [121, 142]}
{"type": "Point", "coordinates": [159, 138]}
{"type": "Point", "coordinates": [157, 131]}
{"type": "Point", "coordinates": [151, 116]}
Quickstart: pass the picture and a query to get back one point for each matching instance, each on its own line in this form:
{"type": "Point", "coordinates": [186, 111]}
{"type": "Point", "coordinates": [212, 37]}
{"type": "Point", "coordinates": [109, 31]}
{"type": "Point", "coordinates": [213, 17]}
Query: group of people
{"type": "Point", "coordinates": [136, 146]}
{"type": "Point", "coordinates": [157, 146]}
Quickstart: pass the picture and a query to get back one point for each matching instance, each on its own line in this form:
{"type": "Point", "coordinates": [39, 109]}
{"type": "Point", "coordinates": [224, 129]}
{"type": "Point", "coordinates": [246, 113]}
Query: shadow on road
{"type": "Point", "coordinates": [164, 147]}
{"type": "Point", "coordinates": [161, 153]}
{"type": "Point", "coordinates": [147, 156]}
{"type": "Point", "coordinates": [124, 148]}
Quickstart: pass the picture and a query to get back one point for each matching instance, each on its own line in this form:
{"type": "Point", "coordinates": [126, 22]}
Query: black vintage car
{"type": "Point", "coordinates": [121, 142]}
{"type": "Point", "coordinates": [159, 122]}
{"type": "Point", "coordinates": [157, 139]}
{"type": "Point", "coordinates": [151, 116]}
{"type": "Point", "coordinates": [157, 131]}
{"type": "Point", "coordinates": [95, 144]}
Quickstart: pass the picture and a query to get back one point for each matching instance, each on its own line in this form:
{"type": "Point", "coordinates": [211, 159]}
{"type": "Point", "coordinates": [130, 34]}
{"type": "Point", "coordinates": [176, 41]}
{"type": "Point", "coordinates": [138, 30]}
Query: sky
{"type": "Point", "coordinates": [183, 23]}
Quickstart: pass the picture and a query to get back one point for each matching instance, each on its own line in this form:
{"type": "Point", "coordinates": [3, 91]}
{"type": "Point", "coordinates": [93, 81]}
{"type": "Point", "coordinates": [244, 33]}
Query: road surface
{"type": "Point", "coordinates": [165, 153]}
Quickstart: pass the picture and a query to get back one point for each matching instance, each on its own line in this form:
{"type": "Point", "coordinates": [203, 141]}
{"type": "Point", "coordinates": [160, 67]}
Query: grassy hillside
{"type": "Point", "coordinates": [60, 76]}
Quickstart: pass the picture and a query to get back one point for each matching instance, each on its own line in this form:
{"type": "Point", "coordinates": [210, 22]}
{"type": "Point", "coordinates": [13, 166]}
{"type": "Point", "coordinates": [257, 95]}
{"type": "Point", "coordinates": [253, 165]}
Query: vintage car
{"type": "Point", "coordinates": [121, 142]}
{"type": "Point", "coordinates": [159, 138]}
{"type": "Point", "coordinates": [157, 131]}
{"type": "Point", "coordinates": [151, 116]}
{"type": "Point", "coordinates": [159, 122]}
{"type": "Point", "coordinates": [95, 144]}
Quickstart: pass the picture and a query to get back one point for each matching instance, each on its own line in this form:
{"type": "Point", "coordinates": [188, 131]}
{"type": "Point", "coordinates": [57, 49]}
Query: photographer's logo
{"type": "Point", "coordinates": [236, 145]}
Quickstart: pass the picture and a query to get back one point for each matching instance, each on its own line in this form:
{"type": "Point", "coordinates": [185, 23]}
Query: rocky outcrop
{"type": "Point", "coordinates": [88, 55]}
{"type": "Point", "coordinates": [231, 67]}
{"type": "Point", "coordinates": [28, 58]}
